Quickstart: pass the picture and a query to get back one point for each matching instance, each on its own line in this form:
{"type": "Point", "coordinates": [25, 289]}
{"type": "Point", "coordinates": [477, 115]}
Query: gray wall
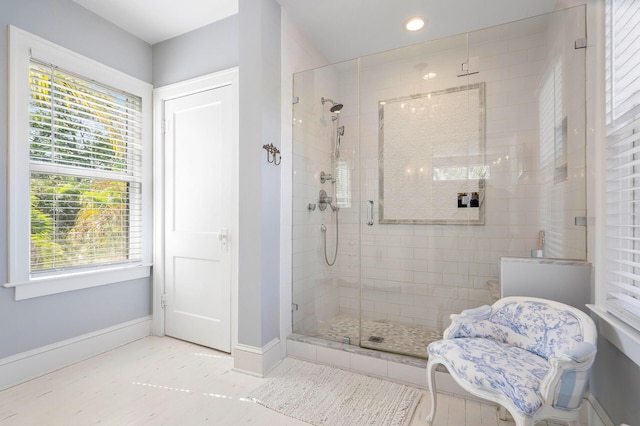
{"type": "Point", "coordinates": [250, 40]}
{"type": "Point", "coordinates": [203, 51]}
{"type": "Point", "coordinates": [271, 174]}
{"type": "Point", "coordinates": [259, 233]}
{"type": "Point", "coordinates": [32, 323]}
{"type": "Point", "coordinates": [615, 382]}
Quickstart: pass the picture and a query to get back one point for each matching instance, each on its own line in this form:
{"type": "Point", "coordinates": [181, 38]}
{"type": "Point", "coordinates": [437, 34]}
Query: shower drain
{"type": "Point", "coordinates": [376, 339]}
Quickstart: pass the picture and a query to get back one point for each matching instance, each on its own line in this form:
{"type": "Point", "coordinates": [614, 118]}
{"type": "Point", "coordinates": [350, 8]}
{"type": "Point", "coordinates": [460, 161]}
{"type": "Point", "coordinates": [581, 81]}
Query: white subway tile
{"type": "Point", "coordinates": [407, 373]}
{"type": "Point", "coordinates": [333, 357]}
{"type": "Point", "coordinates": [365, 364]}
{"type": "Point", "coordinates": [301, 350]}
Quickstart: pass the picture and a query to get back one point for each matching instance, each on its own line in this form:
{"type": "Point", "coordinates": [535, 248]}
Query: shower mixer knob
{"type": "Point", "coordinates": [326, 177]}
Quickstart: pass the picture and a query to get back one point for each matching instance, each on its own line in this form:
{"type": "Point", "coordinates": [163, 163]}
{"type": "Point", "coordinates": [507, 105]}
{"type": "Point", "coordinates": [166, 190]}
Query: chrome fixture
{"type": "Point", "coordinates": [325, 200]}
{"type": "Point", "coordinates": [335, 107]}
{"type": "Point", "coordinates": [370, 212]}
{"type": "Point", "coordinates": [339, 135]}
{"type": "Point", "coordinates": [323, 229]}
{"type": "Point", "coordinates": [311, 207]}
{"type": "Point", "coordinates": [322, 200]}
{"type": "Point", "coordinates": [273, 154]}
{"type": "Point", "coordinates": [326, 177]}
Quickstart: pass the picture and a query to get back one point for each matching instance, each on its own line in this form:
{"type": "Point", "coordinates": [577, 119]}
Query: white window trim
{"type": "Point", "coordinates": [620, 334]}
{"type": "Point", "coordinates": [22, 46]}
{"type": "Point", "coordinates": [623, 335]}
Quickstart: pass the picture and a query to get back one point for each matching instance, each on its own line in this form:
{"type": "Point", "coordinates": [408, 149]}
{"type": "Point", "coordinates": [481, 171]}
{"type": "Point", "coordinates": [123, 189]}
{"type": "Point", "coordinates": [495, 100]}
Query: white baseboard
{"type": "Point", "coordinates": [598, 410]}
{"type": "Point", "coordinates": [28, 365]}
{"type": "Point", "coordinates": [257, 361]}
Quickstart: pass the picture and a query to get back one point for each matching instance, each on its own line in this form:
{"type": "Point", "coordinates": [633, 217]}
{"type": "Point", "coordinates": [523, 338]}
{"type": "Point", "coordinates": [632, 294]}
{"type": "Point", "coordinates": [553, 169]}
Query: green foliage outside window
{"type": "Point", "coordinates": [80, 199]}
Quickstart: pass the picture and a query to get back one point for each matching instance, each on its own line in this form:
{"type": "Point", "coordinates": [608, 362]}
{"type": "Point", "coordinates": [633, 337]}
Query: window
{"type": "Point", "coordinates": [79, 199]}
{"type": "Point", "coordinates": [86, 172]}
{"type": "Point", "coordinates": [621, 63]}
{"type": "Point", "coordinates": [622, 169]}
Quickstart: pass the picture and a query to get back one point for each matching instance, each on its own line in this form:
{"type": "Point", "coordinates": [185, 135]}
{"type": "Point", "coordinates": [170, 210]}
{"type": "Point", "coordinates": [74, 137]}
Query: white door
{"type": "Point", "coordinates": [198, 197]}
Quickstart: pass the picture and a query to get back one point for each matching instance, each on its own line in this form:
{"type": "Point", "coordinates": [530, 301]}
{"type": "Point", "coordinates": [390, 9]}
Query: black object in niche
{"type": "Point", "coordinates": [465, 200]}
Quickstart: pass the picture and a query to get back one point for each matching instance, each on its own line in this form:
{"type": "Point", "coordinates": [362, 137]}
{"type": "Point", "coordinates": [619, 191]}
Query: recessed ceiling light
{"type": "Point", "coordinates": [414, 24]}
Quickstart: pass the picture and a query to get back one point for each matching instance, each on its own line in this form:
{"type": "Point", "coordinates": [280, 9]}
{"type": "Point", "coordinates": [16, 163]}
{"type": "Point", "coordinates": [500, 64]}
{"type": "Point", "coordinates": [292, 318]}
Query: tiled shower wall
{"type": "Point", "coordinates": [420, 274]}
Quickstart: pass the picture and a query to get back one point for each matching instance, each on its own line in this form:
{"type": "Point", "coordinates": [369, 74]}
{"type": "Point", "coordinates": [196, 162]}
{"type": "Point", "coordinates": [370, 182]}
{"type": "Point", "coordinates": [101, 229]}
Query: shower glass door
{"type": "Point", "coordinates": [422, 150]}
{"type": "Point", "coordinates": [326, 257]}
{"type": "Point", "coordinates": [416, 170]}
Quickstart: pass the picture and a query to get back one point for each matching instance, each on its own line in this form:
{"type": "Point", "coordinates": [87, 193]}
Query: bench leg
{"type": "Point", "coordinates": [431, 379]}
{"type": "Point", "coordinates": [503, 413]}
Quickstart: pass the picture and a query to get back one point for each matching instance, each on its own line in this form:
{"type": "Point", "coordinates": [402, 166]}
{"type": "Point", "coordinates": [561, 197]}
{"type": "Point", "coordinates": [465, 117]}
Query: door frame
{"type": "Point", "coordinates": [160, 96]}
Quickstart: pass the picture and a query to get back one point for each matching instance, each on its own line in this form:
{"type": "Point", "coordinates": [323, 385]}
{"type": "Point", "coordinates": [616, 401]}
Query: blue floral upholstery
{"type": "Point", "coordinates": [497, 367]}
{"type": "Point", "coordinates": [532, 356]}
{"type": "Point", "coordinates": [533, 326]}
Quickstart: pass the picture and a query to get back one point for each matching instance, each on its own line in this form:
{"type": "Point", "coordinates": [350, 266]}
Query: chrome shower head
{"type": "Point", "coordinates": [335, 107]}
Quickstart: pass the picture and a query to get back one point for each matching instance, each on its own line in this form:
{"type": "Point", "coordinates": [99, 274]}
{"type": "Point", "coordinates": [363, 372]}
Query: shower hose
{"type": "Point", "coordinates": [324, 239]}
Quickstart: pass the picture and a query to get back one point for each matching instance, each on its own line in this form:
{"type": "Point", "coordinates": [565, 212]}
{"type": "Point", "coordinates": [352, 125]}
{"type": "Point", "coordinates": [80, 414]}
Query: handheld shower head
{"type": "Point", "coordinates": [335, 107]}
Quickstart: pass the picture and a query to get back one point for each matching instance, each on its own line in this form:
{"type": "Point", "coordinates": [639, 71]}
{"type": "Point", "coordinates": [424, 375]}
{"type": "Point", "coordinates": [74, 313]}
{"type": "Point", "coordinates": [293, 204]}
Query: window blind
{"type": "Point", "coordinates": [621, 61]}
{"type": "Point", "coordinates": [623, 223]}
{"type": "Point", "coordinates": [86, 172]}
{"type": "Point", "coordinates": [622, 168]}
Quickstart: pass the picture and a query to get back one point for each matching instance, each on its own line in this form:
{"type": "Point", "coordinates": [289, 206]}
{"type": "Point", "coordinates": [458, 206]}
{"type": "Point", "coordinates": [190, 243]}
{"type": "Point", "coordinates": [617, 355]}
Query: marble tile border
{"type": "Point", "coordinates": [400, 359]}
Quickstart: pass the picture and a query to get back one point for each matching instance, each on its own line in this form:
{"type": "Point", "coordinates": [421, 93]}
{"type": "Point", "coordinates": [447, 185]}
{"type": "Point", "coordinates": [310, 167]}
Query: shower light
{"type": "Point", "coordinates": [414, 23]}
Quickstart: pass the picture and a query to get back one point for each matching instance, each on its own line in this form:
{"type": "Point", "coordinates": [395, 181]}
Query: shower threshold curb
{"type": "Point", "coordinates": [386, 356]}
{"type": "Point", "coordinates": [413, 372]}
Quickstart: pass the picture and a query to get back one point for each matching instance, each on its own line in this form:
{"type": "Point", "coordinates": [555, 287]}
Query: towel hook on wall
{"type": "Point", "coordinates": [273, 154]}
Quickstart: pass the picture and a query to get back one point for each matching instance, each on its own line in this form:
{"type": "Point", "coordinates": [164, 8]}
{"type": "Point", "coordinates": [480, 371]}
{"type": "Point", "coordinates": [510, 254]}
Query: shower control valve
{"type": "Point", "coordinates": [326, 177]}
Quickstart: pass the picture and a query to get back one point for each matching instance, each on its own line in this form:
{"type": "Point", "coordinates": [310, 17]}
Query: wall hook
{"type": "Point", "coordinates": [273, 154]}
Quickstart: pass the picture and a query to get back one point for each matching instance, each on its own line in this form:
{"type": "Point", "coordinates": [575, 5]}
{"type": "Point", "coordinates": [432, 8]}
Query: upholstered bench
{"type": "Point", "coordinates": [532, 356]}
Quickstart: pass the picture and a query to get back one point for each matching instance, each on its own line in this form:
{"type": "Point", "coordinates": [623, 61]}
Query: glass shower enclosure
{"type": "Point", "coordinates": [415, 170]}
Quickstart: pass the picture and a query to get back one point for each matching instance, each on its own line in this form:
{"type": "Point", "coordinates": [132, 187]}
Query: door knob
{"type": "Point", "coordinates": [223, 237]}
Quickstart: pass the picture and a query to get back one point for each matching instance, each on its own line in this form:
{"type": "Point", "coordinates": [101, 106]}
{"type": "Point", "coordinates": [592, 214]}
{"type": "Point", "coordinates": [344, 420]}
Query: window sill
{"type": "Point", "coordinates": [621, 335]}
{"type": "Point", "coordinates": [77, 281]}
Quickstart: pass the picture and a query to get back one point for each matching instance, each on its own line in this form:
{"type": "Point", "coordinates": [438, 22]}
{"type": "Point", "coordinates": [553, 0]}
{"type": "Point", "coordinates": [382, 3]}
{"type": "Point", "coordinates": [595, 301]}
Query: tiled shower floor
{"type": "Point", "coordinates": [396, 337]}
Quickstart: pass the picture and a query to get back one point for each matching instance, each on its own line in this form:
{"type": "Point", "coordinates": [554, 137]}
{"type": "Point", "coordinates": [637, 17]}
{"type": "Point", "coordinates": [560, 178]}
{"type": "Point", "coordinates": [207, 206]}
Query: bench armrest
{"type": "Point", "coordinates": [472, 323]}
{"type": "Point", "coordinates": [568, 376]}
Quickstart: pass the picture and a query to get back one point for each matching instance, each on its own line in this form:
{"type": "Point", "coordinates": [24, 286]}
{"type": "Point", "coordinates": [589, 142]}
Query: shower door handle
{"type": "Point", "coordinates": [370, 212]}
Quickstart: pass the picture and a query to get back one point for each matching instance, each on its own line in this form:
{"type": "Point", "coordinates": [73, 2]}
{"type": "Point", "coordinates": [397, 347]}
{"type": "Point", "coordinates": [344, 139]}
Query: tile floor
{"type": "Point", "coordinates": [163, 381]}
{"type": "Point", "coordinates": [396, 337]}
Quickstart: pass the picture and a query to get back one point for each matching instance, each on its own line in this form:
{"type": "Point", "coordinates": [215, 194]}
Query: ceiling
{"type": "Point", "coordinates": [158, 20]}
{"type": "Point", "coordinates": [346, 29]}
{"type": "Point", "coordinates": [341, 29]}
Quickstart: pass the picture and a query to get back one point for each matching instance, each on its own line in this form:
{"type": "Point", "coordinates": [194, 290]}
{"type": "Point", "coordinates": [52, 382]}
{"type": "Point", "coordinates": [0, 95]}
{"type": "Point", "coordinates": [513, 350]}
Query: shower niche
{"type": "Point", "coordinates": [432, 148]}
{"type": "Point", "coordinates": [433, 179]}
